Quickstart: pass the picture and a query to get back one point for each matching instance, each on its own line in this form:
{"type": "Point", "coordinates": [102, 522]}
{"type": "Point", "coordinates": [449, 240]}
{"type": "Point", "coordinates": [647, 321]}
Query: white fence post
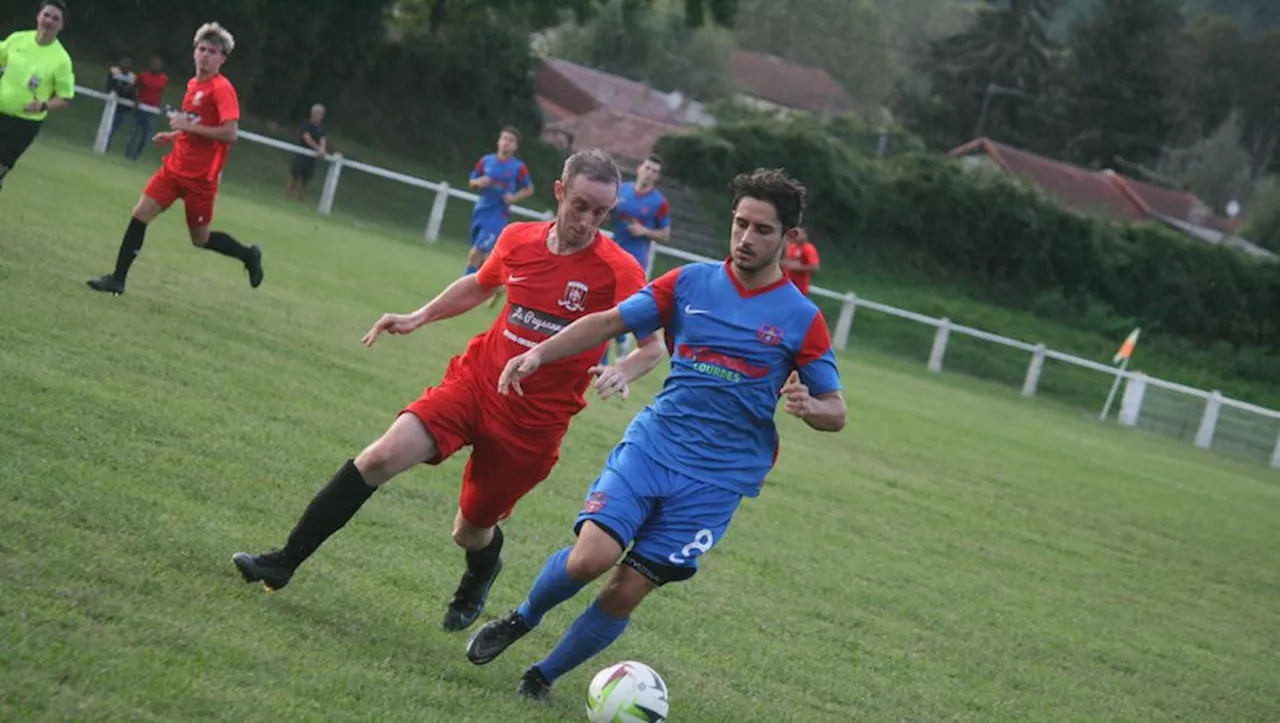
{"type": "Point", "coordinates": [437, 213]}
{"type": "Point", "coordinates": [648, 262]}
{"type": "Point", "coordinates": [1209, 421]}
{"type": "Point", "coordinates": [330, 184]}
{"type": "Point", "coordinates": [1275, 455]}
{"type": "Point", "coordinates": [844, 325]}
{"type": "Point", "coordinates": [1135, 389]}
{"type": "Point", "coordinates": [104, 124]}
{"type": "Point", "coordinates": [939, 346]}
{"type": "Point", "coordinates": [1032, 382]}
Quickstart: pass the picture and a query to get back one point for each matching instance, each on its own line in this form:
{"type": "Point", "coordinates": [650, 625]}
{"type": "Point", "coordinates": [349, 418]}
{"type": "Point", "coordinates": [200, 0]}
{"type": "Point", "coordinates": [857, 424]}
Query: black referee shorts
{"type": "Point", "coordinates": [16, 135]}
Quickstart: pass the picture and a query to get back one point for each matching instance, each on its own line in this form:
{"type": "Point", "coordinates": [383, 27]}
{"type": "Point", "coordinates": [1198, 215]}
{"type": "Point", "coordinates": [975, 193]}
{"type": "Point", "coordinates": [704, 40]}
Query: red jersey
{"type": "Point", "coordinates": [211, 102]}
{"type": "Point", "coordinates": [151, 87]}
{"type": "Point", "coordinates": [545, 293]}
{"type": "Point", "coordinates": [804, 252]}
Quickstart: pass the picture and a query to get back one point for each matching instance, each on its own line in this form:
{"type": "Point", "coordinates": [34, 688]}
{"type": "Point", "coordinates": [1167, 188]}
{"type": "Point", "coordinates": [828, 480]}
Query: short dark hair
{"type": "Point", "coordinates": [773, 186]}
{"type": "Point", "coordinates": [512, 130]}
{"type": "Point", "coordinates": [595, 164]}
{"type": "Point", "coordinates": [654, 157]}
{"type": "Point", "coordinates": [59, 4]}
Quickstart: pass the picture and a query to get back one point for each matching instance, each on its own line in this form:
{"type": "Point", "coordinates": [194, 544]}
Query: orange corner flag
{"type": "Point", "coordinates": [1126, 349]}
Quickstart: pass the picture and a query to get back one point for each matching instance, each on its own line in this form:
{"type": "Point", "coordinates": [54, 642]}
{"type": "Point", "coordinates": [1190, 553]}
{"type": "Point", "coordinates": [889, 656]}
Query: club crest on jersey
{"type": "Point", "coordinates": [595, 503]}
{"type": "Point", "coordinates": [769, 334]}
{"type": "Point", "coordinates": [575, 296]}
{"type": "Point", "coordinates": [199, 97]}
{"type": "Point", "coordinates": [33, 83]}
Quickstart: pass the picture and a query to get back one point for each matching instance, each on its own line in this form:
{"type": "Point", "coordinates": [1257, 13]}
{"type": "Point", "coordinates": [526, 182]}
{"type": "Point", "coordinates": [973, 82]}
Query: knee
{"type": "Point", "coordinates": [586, 563]}
{"type": "Point", "coordinates": [199, 237]}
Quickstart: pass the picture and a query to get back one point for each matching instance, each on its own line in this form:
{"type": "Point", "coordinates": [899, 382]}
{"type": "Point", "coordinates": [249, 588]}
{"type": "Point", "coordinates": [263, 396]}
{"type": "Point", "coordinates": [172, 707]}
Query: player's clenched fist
{"type": "Point", "coordinates": [798, 401]}
{"type": "Point", "coordinates": [518, 368]}
{"type": "Point", "coordinates": [392, 323]}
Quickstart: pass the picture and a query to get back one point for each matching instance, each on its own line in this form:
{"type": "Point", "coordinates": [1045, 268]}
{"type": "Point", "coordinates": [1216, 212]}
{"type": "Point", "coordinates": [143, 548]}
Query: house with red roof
{"type": "Point", "coordinates": [1107, 194]}
{"type": "Point", "coordinates": [771, 83]}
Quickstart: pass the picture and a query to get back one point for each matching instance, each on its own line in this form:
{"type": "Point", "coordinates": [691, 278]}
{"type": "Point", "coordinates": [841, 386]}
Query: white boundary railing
{"type": "Point", "coordinates": [1136, 383]}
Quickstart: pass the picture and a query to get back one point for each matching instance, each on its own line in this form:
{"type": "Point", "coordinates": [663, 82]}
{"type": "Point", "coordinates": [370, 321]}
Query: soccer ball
{"type": "Point", "coordinates": [627, 692]}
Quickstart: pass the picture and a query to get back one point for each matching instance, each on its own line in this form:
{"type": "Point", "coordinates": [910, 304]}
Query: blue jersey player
{"type": "Point", "coordinates": [641, 217]}
{"type": "Point", "coordinates": [741, 336]}
{"type": "Point", "coordinates": [502, 180]}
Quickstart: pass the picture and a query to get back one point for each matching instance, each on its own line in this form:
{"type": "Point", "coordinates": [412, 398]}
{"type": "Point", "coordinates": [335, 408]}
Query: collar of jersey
{"type": "Point", "coordinates": [743, 291]}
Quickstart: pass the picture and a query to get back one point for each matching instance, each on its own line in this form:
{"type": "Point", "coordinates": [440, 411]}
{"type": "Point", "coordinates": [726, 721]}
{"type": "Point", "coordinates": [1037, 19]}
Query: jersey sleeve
{"type": "Point", "coordinates": [4, 49]}
{"type": "Point", "coordinates": [228, 104]}
{"type": "Point", "coordinates": [811, 257]}
{"type": "Point", "coordinates": [478, 170]}
{"type": "Point", "coordinates": [493, 271]}
{"type": "Point", "coordinates": [523, 179]}
{"type": "Point", "coordinates": [64, 81]}
{"type": "Point", "coordinates": [653, 307]}
{"type": "Point", "coordinates": [663, 218]}
{"type": "Point", "coordinates": [816, 360]}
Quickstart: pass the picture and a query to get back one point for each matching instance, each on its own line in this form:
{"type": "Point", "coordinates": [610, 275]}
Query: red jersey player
{"type": "Point", "coordinates": [202, 134]}
{"type": "Point", "coordinates": [554, 272]}
{"type": "Point", "coordinates": [800, 261]}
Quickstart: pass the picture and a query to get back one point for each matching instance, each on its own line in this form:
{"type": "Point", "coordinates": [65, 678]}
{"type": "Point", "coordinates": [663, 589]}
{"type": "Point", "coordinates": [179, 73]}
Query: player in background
{"type": "Point", "coordinates": [801, 260]}
{"type": "Point", "coordinates": [555, 272]}
{"type": "Point", "coordinates": [201, 138]}
{"type": "Point", "coordinates": [641, 217]}
{"type": "Point", "coordinates": [38, 78]}
{"type": "Point", "coordinates": [502, 180]}
{"type": "Point", "coordinates": [741, 336]}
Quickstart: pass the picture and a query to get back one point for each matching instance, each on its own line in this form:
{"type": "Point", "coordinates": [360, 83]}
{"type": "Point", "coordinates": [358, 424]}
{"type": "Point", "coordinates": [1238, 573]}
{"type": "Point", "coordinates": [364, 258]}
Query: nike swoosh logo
{"type": "Point", "coordinates": [690, 310]}
{"type": "Point", "coordinates": [516, 279]}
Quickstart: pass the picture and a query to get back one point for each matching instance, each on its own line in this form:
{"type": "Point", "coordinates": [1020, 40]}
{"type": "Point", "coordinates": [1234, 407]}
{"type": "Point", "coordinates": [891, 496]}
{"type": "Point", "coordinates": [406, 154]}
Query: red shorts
{"type": "Point", "coordinates": [197, 195]}
{"type": "Point", "coordinates": [506, 460]}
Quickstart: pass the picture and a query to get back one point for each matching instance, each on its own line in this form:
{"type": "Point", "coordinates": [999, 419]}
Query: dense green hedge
{"type": "Point", "coordinates": [1001, 238]}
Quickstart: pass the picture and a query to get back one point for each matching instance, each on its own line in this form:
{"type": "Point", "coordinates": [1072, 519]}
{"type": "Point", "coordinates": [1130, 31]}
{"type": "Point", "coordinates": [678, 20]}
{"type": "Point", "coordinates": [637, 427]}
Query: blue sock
{"type": "Point", "coordinates": [552, 587]}
{"type": "Point", "coordinates": [470, 270]}
{"type": "Point", "coordinates": [591, 633]}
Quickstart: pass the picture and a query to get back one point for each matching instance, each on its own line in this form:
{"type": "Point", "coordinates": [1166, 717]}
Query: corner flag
{"type": "Point", "coordinates": [1126, 349]}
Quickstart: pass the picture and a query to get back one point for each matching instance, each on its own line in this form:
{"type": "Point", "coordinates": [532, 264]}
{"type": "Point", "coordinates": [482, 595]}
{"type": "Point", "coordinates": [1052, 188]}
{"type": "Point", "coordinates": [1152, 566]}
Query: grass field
{"type": "Point", "coordinates": [956, 554]}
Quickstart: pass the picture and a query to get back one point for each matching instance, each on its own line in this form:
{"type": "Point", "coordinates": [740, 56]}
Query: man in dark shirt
{"type": "Point", "coordinates": [122, 81]}
{"type": "Point", "coordinates": [304, 166]}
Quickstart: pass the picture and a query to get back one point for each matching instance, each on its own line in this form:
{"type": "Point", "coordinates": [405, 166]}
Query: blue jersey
{"type": "Point", "coordinates": [508, 176]}
{"type": "Point", "coordinates": [650, 209]}
{"type": "Point", "coordinates": [731, 353]}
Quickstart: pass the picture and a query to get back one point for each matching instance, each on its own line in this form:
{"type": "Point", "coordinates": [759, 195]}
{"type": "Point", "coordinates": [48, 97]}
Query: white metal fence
{"type": "Point", "coordinates": [1149, 403]}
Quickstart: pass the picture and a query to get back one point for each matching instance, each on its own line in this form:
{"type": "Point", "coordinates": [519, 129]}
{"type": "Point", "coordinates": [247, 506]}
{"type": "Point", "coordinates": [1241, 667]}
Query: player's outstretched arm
{"type": "Point", "coordinates": [825, 412]}
{"type": "Point", "coordinates": [459, 297]}
{"type": "Point", "coordinates": [615, 380]}
{"type": "Point", "coordinates": [588, 331]}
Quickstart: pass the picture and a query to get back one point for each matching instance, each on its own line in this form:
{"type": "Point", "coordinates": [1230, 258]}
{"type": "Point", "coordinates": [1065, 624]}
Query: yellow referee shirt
{"type": "Point", "coordinates": [33, 72]}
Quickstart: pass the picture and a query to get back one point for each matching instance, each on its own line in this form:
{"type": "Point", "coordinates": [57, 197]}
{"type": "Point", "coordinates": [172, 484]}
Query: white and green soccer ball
{"type": "Point", "coordinates": [627, 692]}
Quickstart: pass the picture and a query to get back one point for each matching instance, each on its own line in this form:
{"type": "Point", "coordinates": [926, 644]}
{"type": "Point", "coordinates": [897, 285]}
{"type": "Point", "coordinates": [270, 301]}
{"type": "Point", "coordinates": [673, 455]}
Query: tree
{"type": "Point", "coordinates": [1125, 80]}
{"type": "Point", "coordinates": [1217, 169]}
{"type": "Point", "coordinates": [652, 46]}
{"type": "Point", "coordinates": [985, 80]}
{"type": "Point", "coordinates": [846, 38]}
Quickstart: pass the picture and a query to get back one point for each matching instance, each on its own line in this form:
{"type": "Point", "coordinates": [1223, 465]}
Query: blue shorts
{"type": "Point", "coordinates": [485, 231]}
{"type": "Point", "coordinates": [672, 519]}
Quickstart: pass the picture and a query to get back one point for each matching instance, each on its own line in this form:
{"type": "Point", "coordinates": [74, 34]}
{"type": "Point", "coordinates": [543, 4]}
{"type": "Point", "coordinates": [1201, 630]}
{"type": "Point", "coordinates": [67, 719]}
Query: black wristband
{"type": "Point", "coordinates": [44, 107]}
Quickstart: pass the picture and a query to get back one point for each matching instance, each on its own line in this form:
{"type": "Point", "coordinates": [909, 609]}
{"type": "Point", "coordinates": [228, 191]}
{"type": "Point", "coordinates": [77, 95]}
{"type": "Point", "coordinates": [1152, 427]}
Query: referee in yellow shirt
{"type": "Point", "coordinates": [37, 78]}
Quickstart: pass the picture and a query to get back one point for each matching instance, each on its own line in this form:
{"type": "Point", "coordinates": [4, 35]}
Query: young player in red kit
{"type": "Point", "coordinates": [554, 273]}
{"type": "Point", "coordinates": [202, 134]}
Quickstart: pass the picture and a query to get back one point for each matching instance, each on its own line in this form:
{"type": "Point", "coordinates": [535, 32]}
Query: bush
{"type": "Point", "coordinates": [1003, 238]}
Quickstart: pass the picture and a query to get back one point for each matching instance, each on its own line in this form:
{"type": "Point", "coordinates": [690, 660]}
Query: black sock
{"type": "Point", "coordinates": [482, 562]}
{"type": "Point", "coordinates": [130, 247]}
{"type": "Point", "coordinates": [330, 509]}
{"type": "Point", "coordinates": [222, 242]}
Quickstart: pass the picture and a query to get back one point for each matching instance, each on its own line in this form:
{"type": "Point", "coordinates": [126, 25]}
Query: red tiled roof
{"type": "Point", "coordinates": [629, 138]}
{"type": "Point", "coordinates": [1103, 193]}
{"type": "Point", "coordinates": [559, 78]}
{"type": "Point", "coordinates": [784, 83]}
